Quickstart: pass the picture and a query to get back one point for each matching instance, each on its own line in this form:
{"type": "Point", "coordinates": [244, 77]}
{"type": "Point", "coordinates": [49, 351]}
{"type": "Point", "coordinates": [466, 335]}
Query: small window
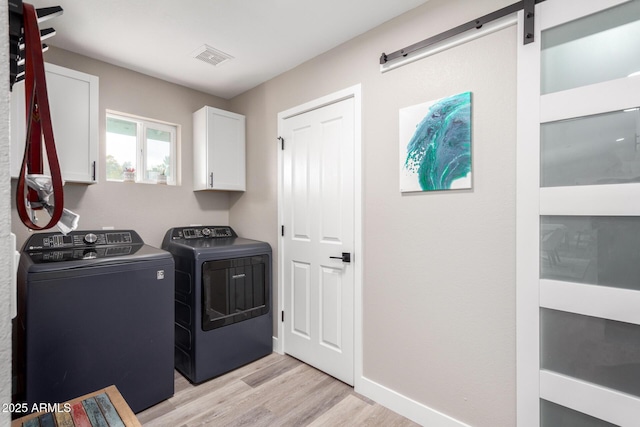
{"type": "Point", "coordinates": [141, 150]}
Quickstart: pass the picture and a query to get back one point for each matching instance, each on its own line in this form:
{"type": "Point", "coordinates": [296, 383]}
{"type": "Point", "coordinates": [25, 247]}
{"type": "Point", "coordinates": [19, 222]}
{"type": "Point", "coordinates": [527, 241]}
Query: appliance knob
{"type": "Point", "coordinates": [206, 232]}
{"type": "Point", "coordinates": [90, 238]}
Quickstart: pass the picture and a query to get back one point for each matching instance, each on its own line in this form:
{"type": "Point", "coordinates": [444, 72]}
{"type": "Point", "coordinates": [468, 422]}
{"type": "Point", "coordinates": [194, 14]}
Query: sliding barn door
{"type": "Point", "coordinates": [579, 216]}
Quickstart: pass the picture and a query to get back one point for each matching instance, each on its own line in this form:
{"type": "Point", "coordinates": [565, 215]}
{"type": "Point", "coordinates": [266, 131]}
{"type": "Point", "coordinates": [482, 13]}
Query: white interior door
{"type": "Point", "coordinates": [579, 216]}
{"type": "Point", "coordinates": [318, 218]}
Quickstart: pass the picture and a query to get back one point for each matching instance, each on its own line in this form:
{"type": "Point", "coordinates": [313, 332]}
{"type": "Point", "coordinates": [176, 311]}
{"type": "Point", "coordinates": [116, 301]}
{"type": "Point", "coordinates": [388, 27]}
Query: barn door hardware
{"type": "Point", "coordinates": [16, 36]}
{"type": "Point", "coordinates": [527, 5]}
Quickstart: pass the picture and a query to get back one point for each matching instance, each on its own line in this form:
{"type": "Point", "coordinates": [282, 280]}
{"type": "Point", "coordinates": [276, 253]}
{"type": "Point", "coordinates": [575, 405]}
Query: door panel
{"type": "Point", "coordinates": [331, 308]}
{"type": "Point", "coordinates": [592, 250]}
{"type": "Point", "coordinates": [331, 181]}
{"type": "Point", "coordinates": [300, 297]}
{"type": "Point", "coordinates": [556, 415]}
{"type": "Point", "coordinates": [301, 190]}
{"type": "Point", "coordinates": [573, 53]}
{"type": "Point", "coordinates": [593, 150]}
{"type": "Point", "coordinates": [318, 189]}
{"type": "Point", "coordinates": [592, 349]}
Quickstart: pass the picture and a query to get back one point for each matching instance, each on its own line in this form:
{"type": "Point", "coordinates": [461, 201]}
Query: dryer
{"type": "Point", "coordinates": [222, 300]}
{"type": "Point", "coordinates": [95, 308]}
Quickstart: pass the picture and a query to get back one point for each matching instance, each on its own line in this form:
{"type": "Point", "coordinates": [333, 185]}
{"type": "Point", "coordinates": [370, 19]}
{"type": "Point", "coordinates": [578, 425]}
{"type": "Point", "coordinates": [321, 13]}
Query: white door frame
{"type": "Point", "coordinates": [354, 92]}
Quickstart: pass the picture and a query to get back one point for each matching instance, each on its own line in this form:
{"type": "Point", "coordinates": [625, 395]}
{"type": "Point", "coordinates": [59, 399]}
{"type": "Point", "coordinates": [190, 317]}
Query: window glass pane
{"type": "Point", "coordinates": [158, 154]}
{"type": "Point", "coordinates": [121, 127]}
{"type": "Point", "coordinates": [120, 147]}
{"type": "Point", "coordinates": [553, 415]}
{"type": "Point", "coordinates": [600, 351]}
{"type": "Point", "coordinates": [140, 149]}
{"type": "Point", "coordinates": [600, 149]}
{"type": "Point", "coordinates": [594, 49]}
{"type": "Point", "coordinates": [158, 135]}
{"type": "Point", "coordinates": [591, 249]}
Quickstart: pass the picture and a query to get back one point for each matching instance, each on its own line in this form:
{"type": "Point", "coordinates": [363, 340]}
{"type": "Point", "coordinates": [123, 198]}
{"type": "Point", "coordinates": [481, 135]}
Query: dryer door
{"type": "Point", "coordinates": [233, 290]}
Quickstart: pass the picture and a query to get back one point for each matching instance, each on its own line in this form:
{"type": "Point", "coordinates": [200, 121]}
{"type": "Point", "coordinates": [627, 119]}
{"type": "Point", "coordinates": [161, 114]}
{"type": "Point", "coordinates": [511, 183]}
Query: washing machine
{"type": "Point", "coordinates": [222, 300]}
{"type": "Point", "coordinates": [95, 308]}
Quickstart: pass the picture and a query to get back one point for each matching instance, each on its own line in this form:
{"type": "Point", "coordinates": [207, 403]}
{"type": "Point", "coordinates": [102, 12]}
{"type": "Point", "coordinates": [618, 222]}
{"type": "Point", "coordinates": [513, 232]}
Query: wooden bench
{"type": "Point", "coordinates": [102, 408]}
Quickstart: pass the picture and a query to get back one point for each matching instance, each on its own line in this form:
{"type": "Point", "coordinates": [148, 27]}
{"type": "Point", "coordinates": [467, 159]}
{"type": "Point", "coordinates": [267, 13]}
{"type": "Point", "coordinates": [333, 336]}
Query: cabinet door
{"type": "Point", "coordinates": [226, 150]}
{"type": "Point", "coordinates": [73, 98]}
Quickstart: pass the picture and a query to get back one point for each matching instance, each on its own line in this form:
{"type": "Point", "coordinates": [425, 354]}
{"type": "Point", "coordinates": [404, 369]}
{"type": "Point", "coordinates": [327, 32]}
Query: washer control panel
{"type": "Point", "coordinates": [203, 232]}
{"type": "Point", "coordinates": [82, 239]}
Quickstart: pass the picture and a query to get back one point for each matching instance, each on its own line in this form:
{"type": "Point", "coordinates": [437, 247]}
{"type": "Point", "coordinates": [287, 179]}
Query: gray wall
{"type": "Point", "coordinates": [439, 269]}
{"type": "Point", "coordinates": [149, 209]}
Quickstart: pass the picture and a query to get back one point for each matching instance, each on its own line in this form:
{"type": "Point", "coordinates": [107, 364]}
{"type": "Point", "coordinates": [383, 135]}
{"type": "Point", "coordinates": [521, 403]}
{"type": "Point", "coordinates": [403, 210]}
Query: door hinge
{"type": "Point", "coordinates": [282, 230]}
{"type": "Point", "coordinates": [282, 316]}
{"type": "Point", "coordinates": [281, 139]}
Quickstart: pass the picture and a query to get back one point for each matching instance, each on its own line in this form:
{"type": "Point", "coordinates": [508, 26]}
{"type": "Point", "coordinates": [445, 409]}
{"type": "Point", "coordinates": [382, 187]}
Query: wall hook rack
{"type": "Point", "coordinates": [16, 36]}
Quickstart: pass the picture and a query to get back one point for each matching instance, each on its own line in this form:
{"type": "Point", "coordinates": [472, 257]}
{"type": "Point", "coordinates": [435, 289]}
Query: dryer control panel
{"type": "Point", "coordinates": [203, 232]}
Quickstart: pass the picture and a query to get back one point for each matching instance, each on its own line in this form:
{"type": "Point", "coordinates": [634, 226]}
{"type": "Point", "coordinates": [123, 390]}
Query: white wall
{"type": "Point", "coordinates": [439, 268]}
{"type": "Point", "coordinates": [6, 250]}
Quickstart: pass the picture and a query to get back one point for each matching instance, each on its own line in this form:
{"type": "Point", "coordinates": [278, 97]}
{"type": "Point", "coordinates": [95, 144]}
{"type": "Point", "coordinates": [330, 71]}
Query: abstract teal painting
{"type": "Point", "coordinates": [435, 145]}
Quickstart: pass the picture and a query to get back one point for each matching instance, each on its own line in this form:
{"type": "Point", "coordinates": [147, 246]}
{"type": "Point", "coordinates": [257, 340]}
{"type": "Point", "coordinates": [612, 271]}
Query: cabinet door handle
{"type": "Point", "coordinates": [211, 180]}
{"type": "Point", "coordinates": [93, 170]}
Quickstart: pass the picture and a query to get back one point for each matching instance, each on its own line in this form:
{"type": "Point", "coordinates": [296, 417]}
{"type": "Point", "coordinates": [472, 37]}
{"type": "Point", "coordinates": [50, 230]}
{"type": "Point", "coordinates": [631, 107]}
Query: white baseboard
{"type": "Point", "coordinates": [276, 346]}
{"type": "Point", "coordinates": [405, 406]}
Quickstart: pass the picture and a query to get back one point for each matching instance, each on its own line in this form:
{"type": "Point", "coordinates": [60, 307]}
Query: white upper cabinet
{"type": "Point", "coordinates": [219, 150]}
{"type": "Point", "coordinates": [73, 99]}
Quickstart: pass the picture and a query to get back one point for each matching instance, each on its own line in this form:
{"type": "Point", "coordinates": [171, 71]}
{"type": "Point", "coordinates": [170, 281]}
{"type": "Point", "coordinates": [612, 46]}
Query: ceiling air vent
{"type": "Point", "coordinates": [211, 56]}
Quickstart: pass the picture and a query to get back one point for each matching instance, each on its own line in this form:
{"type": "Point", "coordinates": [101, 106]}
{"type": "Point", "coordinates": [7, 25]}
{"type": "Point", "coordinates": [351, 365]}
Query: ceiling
{"type": "Point", "coordinates": [265, 37]}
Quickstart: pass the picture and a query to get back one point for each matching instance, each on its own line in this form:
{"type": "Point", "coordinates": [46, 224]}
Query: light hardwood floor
{"type": "Point", "coordinates": [276, 390]}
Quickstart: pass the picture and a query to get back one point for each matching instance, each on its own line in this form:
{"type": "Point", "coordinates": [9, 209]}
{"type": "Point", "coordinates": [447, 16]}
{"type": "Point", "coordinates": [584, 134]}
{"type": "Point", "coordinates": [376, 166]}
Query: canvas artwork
{"type": "Point", "coordinates": [435, 145]}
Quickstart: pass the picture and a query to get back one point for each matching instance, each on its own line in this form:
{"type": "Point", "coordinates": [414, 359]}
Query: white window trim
{"type": "Point", "coordinates": [141, 145]}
